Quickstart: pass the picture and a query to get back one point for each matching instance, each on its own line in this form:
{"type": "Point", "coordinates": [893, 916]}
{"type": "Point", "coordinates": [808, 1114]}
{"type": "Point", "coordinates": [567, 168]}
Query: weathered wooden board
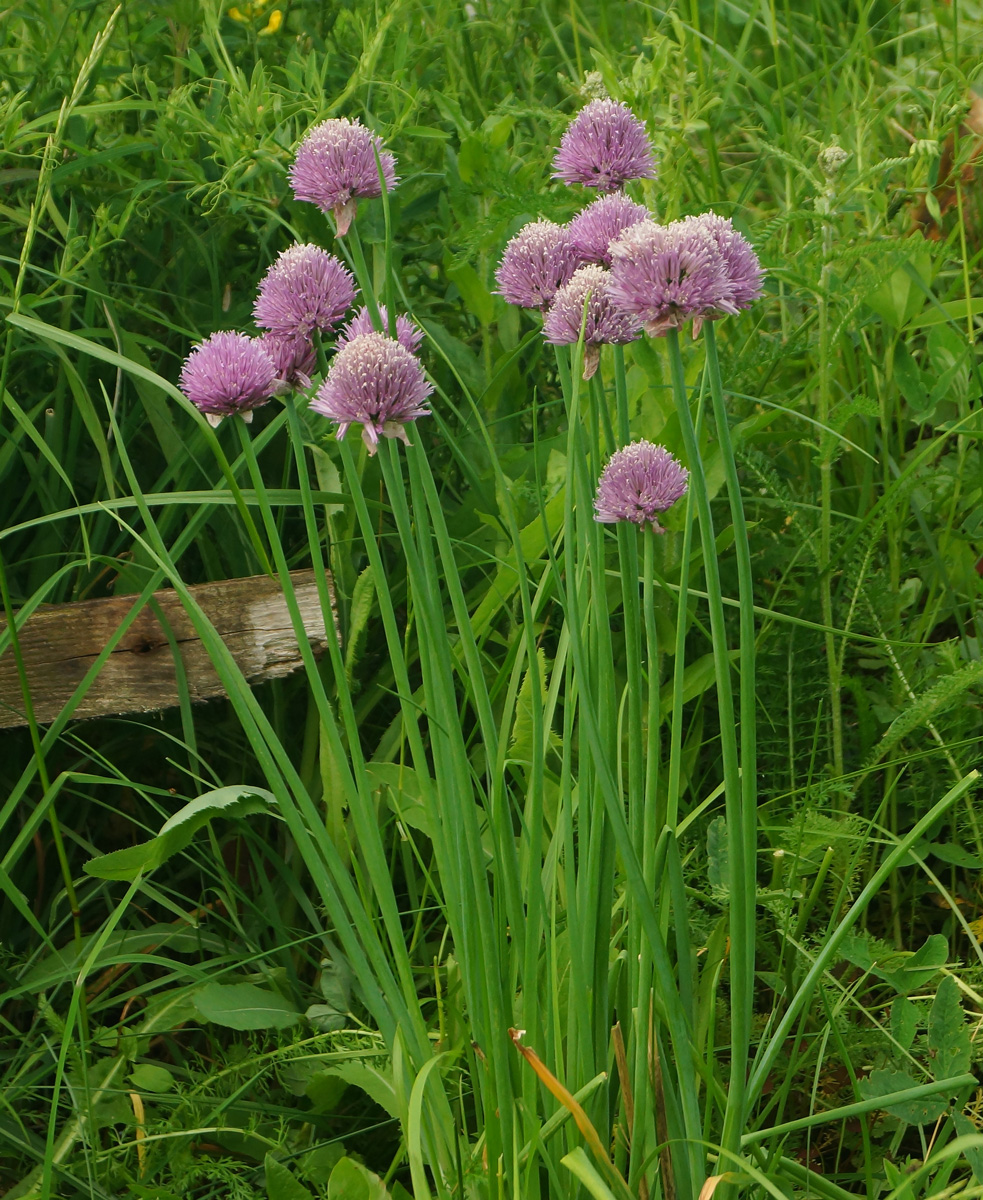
{"type": "Point", "coordinates": [59, 644]}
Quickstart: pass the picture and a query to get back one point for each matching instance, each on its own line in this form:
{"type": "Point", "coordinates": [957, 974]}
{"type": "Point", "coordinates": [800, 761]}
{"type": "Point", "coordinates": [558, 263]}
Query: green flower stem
{"type": "Point", "coordinates": [651, 824]}
{"type": "Point", "coordinates": [585, 882]}
{"type": "Point", "coordinates": [470, 908]}
{"type": "Point", "coordinates": [674, 785]}
{"type": "Point", "coordinates": [349, 760]}
{"type": "Point", "coordinates": [579, 604]}
{"type": "Point", "coordinates": [621, 395]}
{"type": "Point", "coordinates": [741, 983]}
{"type": "Point", "coordinates": [351, 248]}
{"type": "Point", "coordinates": [426, 499]}
{"type": "Point", "coordinates": [745, 583]}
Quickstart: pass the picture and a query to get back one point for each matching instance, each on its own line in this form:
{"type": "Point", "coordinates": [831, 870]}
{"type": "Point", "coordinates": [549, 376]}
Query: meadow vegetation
{"type": "Point", "coordinates": [585, 860]}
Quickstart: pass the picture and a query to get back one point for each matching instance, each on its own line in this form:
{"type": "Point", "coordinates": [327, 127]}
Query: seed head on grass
{"type": "Point", "coordinates": [595, 228]}
{"type": "Point", "coordinates": [336, 164]}
{"type": "Point", "coordinates": [604, 146]}
{"type": "Point", "coordinates": [668, 274]}
{"type": "Point", "coordinates": [605, 324]}
{"type": "Point", "coordinates": [537, 262]}
{"type": "Point", "coordinates": [228, 373]}
{"type": "Point", "coordinates": [306, 289]}
{"type": "Point", "coordinates": [639, 482]}
{"type": "Point", "coordinates": [375, 382]}
{"type": "Point", "coordinates": [408, 333]}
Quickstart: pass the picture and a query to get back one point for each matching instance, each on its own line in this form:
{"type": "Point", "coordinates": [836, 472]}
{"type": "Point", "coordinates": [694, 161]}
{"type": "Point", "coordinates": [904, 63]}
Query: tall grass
{"type": "Point", "coordinates": [584, 860]}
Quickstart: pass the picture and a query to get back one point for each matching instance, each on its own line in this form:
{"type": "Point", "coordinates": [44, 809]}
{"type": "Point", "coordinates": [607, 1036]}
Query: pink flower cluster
{"type": "Point", "coordinates": [374, 380]}
{"type": "Point", "coordinates": [613, 271]}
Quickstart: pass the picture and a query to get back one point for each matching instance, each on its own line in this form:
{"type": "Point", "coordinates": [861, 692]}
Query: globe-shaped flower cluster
{"type": "Point", "coordinates": [643, 275]}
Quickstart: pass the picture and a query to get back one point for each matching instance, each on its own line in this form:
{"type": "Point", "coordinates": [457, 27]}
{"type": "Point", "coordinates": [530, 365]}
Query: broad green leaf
{"type": "Point", "coordinates": [477, 298]}
{"type": "Point", "coordinates": [718, 855]}
{"type": "Point", "coordinates": [149, 1077]}
{"type": "Point", "coordinates": [904, 1021]}
{"type": "Point", "coordinates": [974, 1154]}
{"type": "Point", "coordinates": [521, 744]}
{"type": "Point", "coordinates": [909, 378]}
{"type": "Point", "coordinates": [360, 609]}
{"type": "Point", "coordinates": [903, 970]}
{"type": "Point", "coordinates": [244, 1006]}
{"type": "Point", "coordinates": [948, 1035]}
{"type": "Point", "coordinates": [376, 1084]}
{"type": "Point", "coordinates": [125, 946]}
{"type": "Point", "coordinates": [948, 852]}
{"type": "Point", "coordinates": [325, 1018]}
{"type": "Point", "coordinates": [951, 310]}
{"type": "Point", "coordinates": [698, 677]}
{"type": "Point", "coordinates": [351, 1181]}
{"type": "Point", "coordinates": [915, 1112]}
{"type": "Point", "coordinates": [580, 1165]}
{"type": "Point", "coordinates": [899, 298]}
{"type": "Point", "coordinates": [178, 831]}
{"type": "Point", "coordinates": [280, 1184]}
{"type": "Point", "coordinates": [325, 1090]}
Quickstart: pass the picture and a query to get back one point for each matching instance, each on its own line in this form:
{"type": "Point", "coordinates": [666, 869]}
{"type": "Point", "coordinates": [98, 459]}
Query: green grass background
{"type": "Point", "coordinates": [432, 852]}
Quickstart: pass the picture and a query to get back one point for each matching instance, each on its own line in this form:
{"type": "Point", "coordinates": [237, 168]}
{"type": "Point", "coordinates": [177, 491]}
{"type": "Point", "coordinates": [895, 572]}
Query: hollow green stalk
{"type": "Point", "coordinates": [747, 652]}
{"type": "Point", "coordinates": [740, 981]}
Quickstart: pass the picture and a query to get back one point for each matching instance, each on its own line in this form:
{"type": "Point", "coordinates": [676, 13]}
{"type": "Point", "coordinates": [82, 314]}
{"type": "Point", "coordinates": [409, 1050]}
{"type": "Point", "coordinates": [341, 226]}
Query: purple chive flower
{"type": "Point", "coordinates": [639, 482]}
{"type": "Point", "coordinates": [293, 356]}
{"type": "Point", "coordinates": [604, 146]}
{"type": "Point", "coordinates": [605, 324]}
{"type": "Point", "coordinates": [667, 274]}
{"type": "Point", "coordinates": [537, 261]}
{"type": "Point", "coordinates": [306, 289]}
{"type": "Point", "coordinates": [228, 373]}
{"type": "Point", "coordinates": [595, 228]}
{"type": "Point", "coordinates": [336, 163]}
{"type": "Point", "coordinates": [374, 382]}
{"type": "Point", "coordinates": [408, 333]}
{"type": "Point", "coordinates": [744, 272]}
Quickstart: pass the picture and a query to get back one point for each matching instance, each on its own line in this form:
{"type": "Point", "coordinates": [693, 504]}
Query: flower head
{"type": "Point", "coordinates": [306, 289]}
{"type": "Point", "coordinates": [537, 261]}
{"type": "Point", "coordinates": [293, 356]}
{"type": "Point", "coordinates": [604, 325]}
{"type": "Point", "coordinates": [595, 228]}
{"type": "Point", "coordinates": [408, 333]}
{"type": "Point", "coordinates": [374, 382]}
{"type": "Point", "coordinates": [336, 163]}
{"type": "Point", "coordinates": [604, 146]}
{"type": "Point", "coordinates": [639, 482]}
{"type": "Point", "coordinates": [744, 273]}
{"type": "Point", "coordinates": [228, 373]}
{"type": "Point", "coordinates": [667, 274]}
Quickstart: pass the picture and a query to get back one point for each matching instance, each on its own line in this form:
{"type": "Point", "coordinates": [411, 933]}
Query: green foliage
{"type": "Point", "coordinates": [501, 800]}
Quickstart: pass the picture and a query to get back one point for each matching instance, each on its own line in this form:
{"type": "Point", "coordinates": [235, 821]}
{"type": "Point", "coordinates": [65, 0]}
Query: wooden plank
{"type": "Point", "coordinates": [61, 642]}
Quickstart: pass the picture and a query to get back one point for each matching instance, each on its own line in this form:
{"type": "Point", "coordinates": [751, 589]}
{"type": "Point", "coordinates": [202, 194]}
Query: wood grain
{"type": "Point", "coordinates": [60, 643]}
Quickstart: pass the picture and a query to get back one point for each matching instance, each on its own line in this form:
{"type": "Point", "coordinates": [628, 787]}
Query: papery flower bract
{"type": "Point", "coordinates": [293, 356]}
{"type": "Point", "coordinates": [228, 373]}
{"type": "Point", "coordinates": [604, 146]}
{"type": "Point", "coordinates": [537, 261]}
{"type": "Point", "coordinates": [595, 228]}
{"type": "Point", "coordinates": [640, 481]}
{"type": "Point", "coordinates": [374, 382]}
{"type": "Point", "coordinates": [306, 289]}
{"type": "Point", "coordinates": [667, 274]}
{"type": "Point", "coordinates": [336, 163]}
{"type": "Point", "coordinates": [743, 270]}
{"type": "Point", "coordinates": [408, 333]}
{"type": "Point", "coordinates": [605, 324]}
